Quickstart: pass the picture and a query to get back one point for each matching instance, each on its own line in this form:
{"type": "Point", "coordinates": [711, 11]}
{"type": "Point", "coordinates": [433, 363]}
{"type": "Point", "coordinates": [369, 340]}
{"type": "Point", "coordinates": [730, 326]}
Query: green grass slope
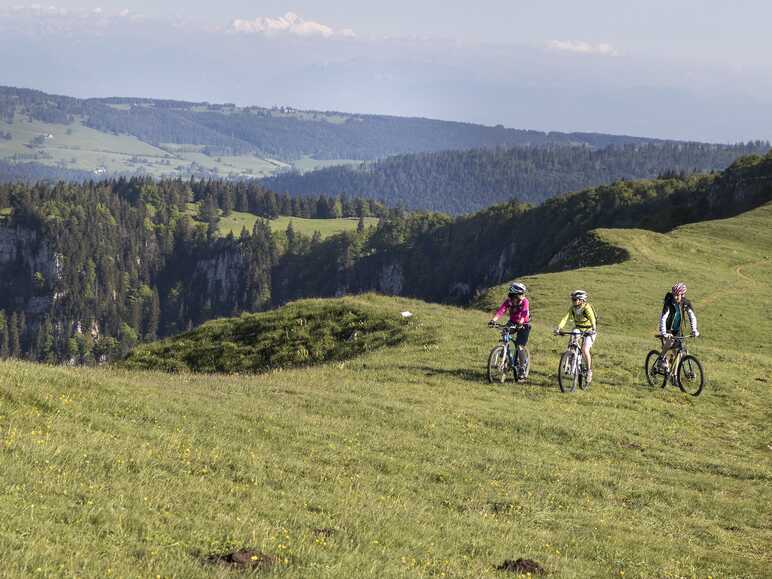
{"type": "Point", "coordinates": [404, 462]}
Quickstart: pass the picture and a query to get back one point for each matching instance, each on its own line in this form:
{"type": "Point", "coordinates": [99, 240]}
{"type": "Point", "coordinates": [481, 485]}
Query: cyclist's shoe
{"type": "Point", "coordinates": [589, 376]}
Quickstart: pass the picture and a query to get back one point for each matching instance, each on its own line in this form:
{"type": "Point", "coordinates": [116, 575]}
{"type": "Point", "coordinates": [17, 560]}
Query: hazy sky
{"type": "Point", "coordinates": [718, 31]}
{"type": "Point", "coordinates": [669, 68]}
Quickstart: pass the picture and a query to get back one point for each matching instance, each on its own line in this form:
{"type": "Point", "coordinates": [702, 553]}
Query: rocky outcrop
{"type": "Point", "coordinates": [391, 279]}
{"type": "Point", "coordinates": [29, 270]}
{"type": "Point", "coordinates": [221, 277]}
{"type": "Point", "coordinates": [23, 245]}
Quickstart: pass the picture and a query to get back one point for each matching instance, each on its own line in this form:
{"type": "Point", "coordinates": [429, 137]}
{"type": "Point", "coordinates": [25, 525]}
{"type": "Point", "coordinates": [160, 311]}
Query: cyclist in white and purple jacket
{"type": "Point", "coordinates": [519, 316]}
{"type": "Point", "coordinates": [677, 311]}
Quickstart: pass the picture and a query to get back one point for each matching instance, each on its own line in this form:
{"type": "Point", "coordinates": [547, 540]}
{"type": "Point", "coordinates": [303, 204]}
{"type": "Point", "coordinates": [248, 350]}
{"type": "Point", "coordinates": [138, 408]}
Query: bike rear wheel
{"type": "Point", "coordinates": [498, 365]}
{"type": "Point", "coordinates": [567, 372]}
{"type": "Point", "coordinates": [690, 378]}
{"type": "Point", "coordinates": [653, 376]}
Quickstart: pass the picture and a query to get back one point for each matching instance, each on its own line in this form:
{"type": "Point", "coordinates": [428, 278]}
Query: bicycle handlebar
{"type": "Point", "coordinates": [577, 333]}
{"type": "Point", "coordinates": [502, 326]}
{"type": "Point", "coordinates": [676, 337]}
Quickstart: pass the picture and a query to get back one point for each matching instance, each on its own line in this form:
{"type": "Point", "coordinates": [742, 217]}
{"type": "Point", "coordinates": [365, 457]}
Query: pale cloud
{"type": "Point", "coordinates": [51, 19]}
{"type": "Point", "coordinates": [290, 23]}
{"type": "Point", "coordinates": [582, 47]}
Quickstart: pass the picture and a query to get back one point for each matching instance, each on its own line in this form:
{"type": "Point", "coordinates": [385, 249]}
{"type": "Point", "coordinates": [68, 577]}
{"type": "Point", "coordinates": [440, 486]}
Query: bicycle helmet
{"type": "Point", "coordinates": [517, 289]}
{"type": "Point", "coordinates": [679, 288]}
{"type": "Point", "coordinates": [578, 295]}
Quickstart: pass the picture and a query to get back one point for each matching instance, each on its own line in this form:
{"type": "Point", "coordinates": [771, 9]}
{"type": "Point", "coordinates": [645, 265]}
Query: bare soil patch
{"type": "Point", "coordinates": [522, 567]}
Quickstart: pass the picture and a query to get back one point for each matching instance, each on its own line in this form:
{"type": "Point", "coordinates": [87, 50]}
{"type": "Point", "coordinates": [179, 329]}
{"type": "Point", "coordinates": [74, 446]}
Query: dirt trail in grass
{"type": "Point", "coordinates": [741, 277]}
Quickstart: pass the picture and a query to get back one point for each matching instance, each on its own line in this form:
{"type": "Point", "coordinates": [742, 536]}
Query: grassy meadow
{"type": "Point", "coordinates": [404, 461]}
{"type": "Point", "coordinates": [237, 220]}
{"type": "Point", "coordinates": [76, 146]}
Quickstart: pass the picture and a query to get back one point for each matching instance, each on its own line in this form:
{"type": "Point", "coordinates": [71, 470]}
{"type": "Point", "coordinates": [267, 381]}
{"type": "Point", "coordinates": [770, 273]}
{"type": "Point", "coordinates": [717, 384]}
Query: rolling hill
{"type": "Point", "coordinates": [403, 461]}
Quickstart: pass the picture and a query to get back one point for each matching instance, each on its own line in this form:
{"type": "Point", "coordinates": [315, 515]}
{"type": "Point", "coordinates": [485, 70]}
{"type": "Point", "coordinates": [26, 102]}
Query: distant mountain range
{"type": "Point", "coordinates": [161, 137]}
{"type": "Point", "coordinates": [418, 163]}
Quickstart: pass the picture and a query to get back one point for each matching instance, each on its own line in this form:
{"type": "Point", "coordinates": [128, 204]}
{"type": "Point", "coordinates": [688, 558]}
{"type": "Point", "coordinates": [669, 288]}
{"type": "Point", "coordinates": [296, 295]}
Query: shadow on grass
{"type": "Point", "coordinates": [477, 375]}
{"type": "Point", "coordinates": [537, 379]}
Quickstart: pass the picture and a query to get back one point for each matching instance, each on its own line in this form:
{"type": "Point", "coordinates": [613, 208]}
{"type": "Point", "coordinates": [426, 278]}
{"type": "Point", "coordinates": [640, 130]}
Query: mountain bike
{"type": "Point", "coordinates": [684, 371]}
{"type": "Point", "coordinates": [572, 369]}
{"type": "Point", "coordinates": [503, 358]}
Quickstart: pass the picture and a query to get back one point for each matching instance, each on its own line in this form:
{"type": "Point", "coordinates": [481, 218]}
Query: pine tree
{"type": "Point", "coordinates": [44, 345]}
{"type": "Point", "coordinates": [153, 316]}
{"type": "Point", "coordinates": [14, 339]}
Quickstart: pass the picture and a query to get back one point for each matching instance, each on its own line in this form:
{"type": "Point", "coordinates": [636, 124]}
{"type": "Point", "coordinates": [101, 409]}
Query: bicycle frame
{"type": "Point", "coordinates": [510, 357]}
{"type": "Point", "coordinates": [506, 338]}
{"type": "Point", "coordinates": [680, 350]}
{"type": "Point", "coordinates": [575, 342]}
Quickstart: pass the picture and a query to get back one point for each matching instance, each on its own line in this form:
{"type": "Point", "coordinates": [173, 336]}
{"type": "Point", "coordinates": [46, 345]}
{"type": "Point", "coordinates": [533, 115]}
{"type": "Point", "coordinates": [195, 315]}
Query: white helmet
{"type": "Point", "coordinates": [517, 289]}
{"type": "Point", "coordinates": [579, 295]}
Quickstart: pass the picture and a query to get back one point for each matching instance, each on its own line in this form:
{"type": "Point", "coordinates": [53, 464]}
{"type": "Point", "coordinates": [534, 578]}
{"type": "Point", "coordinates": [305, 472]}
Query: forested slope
{"type": "Point", "coordinates": [467, 181]}
{"type": "Point", "coordinates": [438, 258]}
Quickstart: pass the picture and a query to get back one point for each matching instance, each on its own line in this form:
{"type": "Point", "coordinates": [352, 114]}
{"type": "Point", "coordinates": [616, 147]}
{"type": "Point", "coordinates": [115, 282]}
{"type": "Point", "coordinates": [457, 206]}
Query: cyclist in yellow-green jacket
{"type": "Point", "coordinates": [583, 316]}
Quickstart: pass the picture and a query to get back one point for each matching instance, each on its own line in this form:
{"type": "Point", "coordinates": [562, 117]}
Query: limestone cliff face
{"type": "Point", "coordinates": [229, 281]}
{"type": "Point", "coordinates": [390, 279]}
{"type": "Point", "coordinates": [221, 277]}
{"type": "Point", "coordinates": [29, 270]}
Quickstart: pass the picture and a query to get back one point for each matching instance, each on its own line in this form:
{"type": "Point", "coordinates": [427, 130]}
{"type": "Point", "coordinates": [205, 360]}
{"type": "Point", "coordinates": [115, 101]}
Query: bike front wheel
{"type": "Point", "coordinates": [498, 365]}
{"type": "Point", "coordinates": [567, 372]}
{"type": "Point", "coordinates": [690, 377]}
{"type": "Point", "coordinates": [654, 376]}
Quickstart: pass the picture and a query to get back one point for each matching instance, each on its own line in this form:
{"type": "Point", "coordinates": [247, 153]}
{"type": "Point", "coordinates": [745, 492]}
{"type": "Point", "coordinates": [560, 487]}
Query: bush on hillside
{"type": "Point", "coordinates": [300, 334]}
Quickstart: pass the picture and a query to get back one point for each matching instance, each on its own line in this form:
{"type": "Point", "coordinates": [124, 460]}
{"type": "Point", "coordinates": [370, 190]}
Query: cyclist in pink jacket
{"type": "Point", "coordinates": [519, 317]}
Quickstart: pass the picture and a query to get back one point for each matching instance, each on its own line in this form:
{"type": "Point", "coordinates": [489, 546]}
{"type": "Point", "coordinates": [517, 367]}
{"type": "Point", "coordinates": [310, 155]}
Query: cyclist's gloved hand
{"type": "Point", "coordinates": [556, 331]}
{"type": "Point", "coordinates": [667, 335]}
{"type": "Point", "coordinates": [695, 334]}
{"type": "Point", "coordinates": [491, 323]}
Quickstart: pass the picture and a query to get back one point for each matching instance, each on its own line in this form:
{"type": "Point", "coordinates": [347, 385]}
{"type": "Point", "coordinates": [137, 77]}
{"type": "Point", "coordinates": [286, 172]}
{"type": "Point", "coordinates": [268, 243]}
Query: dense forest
{"type": "Point", "coordinates": [465, 181]}
{"type": "Point", "coordinates": [11, 172]}
{"type": "Point", "coordinates": [87, 271]}
{"type": "Point", "coordinates": [280, 133]}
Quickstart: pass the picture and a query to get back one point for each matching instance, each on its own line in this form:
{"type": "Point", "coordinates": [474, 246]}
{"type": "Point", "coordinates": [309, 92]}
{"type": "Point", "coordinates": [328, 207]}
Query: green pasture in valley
{"type": "Point", "coordinates": [76, 146]}
{"type": "Point", "coordinates": [237, 220]}
{"type": "Point", "coordinates": [306, 164]}
{"type": "Point", "coordinates": [404, 461]}
{"type": "Point", "coordinates": [326, 227]}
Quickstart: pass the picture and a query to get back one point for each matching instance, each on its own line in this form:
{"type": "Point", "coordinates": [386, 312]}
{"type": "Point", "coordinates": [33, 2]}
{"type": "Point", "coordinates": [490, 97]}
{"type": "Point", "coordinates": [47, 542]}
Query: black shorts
{"type": "Point", "coordinates": [521, 339]}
